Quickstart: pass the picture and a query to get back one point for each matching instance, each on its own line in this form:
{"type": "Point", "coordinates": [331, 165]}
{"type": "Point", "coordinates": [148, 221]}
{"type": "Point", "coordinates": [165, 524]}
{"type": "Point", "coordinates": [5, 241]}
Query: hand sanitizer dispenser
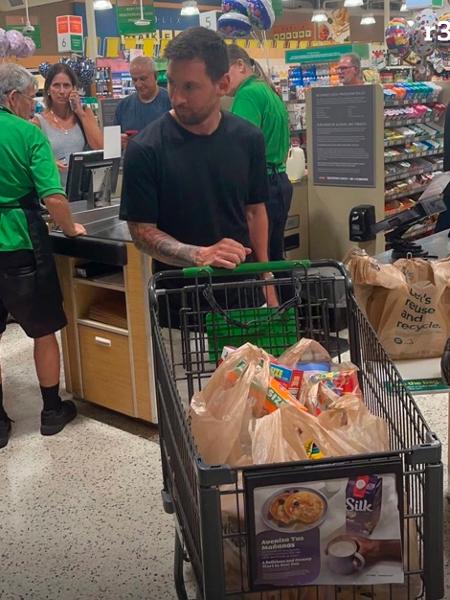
{"type": "Point", "coordinates": [362, 223]}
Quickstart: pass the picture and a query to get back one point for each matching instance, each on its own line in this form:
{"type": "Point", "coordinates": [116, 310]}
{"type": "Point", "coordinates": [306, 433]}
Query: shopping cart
{"type": "Point", "coordinates": [193, 312]}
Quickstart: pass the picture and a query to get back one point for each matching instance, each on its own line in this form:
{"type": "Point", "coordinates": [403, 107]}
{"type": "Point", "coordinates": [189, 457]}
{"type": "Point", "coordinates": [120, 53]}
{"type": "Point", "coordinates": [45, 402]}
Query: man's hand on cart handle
{"type": "Point", "coordinates": [148, 238]}
{"type": "Point", "coordinates": [226, 254]}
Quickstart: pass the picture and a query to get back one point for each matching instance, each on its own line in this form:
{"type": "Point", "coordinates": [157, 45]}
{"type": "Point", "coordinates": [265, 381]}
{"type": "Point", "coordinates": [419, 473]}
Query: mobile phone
{"type": "Point", "coordinates": [72, 103]}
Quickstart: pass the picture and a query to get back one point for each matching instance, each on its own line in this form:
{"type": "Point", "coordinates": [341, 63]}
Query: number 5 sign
{"type": "Point", "coordinates": [209, 19]}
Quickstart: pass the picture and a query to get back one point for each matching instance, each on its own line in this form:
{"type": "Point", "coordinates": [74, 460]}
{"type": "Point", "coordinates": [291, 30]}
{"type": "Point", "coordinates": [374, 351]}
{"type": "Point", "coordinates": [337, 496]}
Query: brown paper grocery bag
{"type": "Point", "coordinates": [407, 303]}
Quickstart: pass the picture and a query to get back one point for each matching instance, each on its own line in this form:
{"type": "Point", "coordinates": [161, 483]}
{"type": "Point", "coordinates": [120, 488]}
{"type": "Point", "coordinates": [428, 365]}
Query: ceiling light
{"type": "Point", "coordinates": [102, 4]}
{"type": "Point", "coordinates": [403, 7]}
{"type": "Point", "coordinates": [189, 8]}
{"type": "Point", "coordinates": [368, 20]}
{"type": "Point", "coordinates": [353, 3]}
{"type": "Point", "coordinates": [319, 16]}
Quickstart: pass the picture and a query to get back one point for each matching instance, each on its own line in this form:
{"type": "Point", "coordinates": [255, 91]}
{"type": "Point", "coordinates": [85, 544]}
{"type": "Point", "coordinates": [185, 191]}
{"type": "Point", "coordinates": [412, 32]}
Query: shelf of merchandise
{"type": "Point", "coordinates": [406, 141]}
{"type": "Point", "coordinates": [418, 101]}
{"type": "Point", "coordinates": [102, 87]}
{"type": "Point", "coordinates": [411, 156]}
{"type": "Point", "coordinates": [122, 84]}
{"type": "Point", "coordinates": [395, 67]}
{"type": "Point", "coordinates": [419, 233]}
{"type": "Point", "coordinates": [405, 193]}
{"type": "Point", "coordinates": [393, 213]}
{"type": "Point", "coordinates": [412, 121]}
{"type": "Point", "coordinates": [411, 172]}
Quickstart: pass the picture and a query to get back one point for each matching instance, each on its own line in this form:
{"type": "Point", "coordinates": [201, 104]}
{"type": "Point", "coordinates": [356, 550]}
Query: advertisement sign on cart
{"type": "Point", "coordinates": [335, 531]}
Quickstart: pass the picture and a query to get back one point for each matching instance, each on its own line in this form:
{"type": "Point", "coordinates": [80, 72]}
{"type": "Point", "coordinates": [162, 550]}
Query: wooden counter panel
{"type": "Point", "coordinates": [105, 362]}
{"type": "Point", "coordinates": [69, 335]}
{"type": "Point", "coordinates": [137, 273]}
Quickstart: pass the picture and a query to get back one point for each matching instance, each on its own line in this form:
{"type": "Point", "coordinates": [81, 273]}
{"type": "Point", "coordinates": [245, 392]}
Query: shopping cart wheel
{"type": "Point", "coordinates": [178, 571]}
{"type": "Point", "coordinates": [167, 502]}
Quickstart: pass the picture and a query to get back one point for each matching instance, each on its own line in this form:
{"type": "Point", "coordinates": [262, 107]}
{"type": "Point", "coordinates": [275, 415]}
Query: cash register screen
{"type": "Point", "coordinates": [91, 177]}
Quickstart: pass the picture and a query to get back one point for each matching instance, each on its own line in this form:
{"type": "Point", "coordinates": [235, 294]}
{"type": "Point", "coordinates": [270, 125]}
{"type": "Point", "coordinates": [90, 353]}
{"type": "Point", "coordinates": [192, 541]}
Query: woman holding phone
{"type": "Point", "coordinates": [69, 126]}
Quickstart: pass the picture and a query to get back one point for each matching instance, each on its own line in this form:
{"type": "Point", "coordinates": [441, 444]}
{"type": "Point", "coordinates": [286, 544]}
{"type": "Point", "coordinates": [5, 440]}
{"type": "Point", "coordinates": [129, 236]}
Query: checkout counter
{"type": "Point", "coordinates": [106, 346]}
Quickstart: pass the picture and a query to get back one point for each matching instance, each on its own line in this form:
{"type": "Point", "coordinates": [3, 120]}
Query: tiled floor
{"type": "Point", "coordinates": [80, 513]}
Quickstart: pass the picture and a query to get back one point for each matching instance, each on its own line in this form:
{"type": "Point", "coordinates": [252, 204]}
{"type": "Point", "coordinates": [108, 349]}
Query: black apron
{"type": "Point", "coordinates": [46, 274]}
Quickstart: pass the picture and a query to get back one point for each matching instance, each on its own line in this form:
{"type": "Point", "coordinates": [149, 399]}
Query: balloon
{"type": "Point", "coordinates": [4, 43]}
{"type": "Point", "coordinates": [398, 37]}
{"type": "Point", "coordinates": [28, 48]}
{"type": "Point", "coordinates": [15, 39]}
{"type": "Point", "coordinates": [239, 6]}
{"type": "Point", "coordinates": [43, 69]}
{"type": "Point", "coordinates": [444, 47]}
{"type": "Point", "coordinates": [234, 25]}
{"type": "Point", "coordinates": [426, 18]}
{"type": "Point", "coordinates": [260, 13]}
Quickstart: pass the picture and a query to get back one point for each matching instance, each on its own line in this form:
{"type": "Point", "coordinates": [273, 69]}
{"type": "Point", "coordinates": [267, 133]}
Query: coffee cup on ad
{"type": "Point", "coordinates": [344, 558]}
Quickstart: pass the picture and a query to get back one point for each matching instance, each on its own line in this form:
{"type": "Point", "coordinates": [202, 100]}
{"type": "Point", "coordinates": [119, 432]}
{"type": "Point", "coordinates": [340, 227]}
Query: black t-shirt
{"type": "Point", "coordinates": [195, 187]}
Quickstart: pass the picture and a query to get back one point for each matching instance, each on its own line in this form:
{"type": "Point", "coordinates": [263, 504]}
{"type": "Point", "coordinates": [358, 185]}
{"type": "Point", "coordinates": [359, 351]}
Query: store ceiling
{"type": "Point", "coordinates": [7, 5]}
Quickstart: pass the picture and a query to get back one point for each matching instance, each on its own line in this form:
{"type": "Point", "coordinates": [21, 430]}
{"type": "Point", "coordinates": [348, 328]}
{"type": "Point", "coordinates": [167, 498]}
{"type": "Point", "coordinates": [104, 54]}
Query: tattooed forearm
{"type": "Point", "coordinates": [149, 239]}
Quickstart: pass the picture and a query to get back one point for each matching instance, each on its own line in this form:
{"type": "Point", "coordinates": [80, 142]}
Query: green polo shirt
{"type": "Point", "coordinates": [26, 163]}
{"type": "Point", "coordinates": [256, 102]}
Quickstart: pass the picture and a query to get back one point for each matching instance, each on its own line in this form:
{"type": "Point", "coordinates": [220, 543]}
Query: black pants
{"type": "Point", "coordinates": [280, 196]}
{"type": "Point", "coordinates": [38, 311]}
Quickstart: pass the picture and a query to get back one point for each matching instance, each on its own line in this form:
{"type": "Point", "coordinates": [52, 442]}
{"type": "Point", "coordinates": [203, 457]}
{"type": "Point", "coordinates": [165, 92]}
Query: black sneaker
{"type": "Point", "coordinates": [54, 421]}
{"type": "Point", "coordinates": [5, 431]}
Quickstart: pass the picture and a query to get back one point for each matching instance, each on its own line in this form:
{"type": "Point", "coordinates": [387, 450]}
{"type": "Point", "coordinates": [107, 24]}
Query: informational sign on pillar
{"type": "Point", "coordinates": [343, 136]}
{"type": "Point", "coordinates": [69, 29]}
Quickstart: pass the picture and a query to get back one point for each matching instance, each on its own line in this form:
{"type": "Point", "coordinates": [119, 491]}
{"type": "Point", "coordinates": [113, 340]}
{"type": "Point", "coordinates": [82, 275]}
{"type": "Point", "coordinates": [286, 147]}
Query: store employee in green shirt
{"type": "Point", "coordinates": [29, 286]}
{"type": "Point", "coordinates": [255, 99]}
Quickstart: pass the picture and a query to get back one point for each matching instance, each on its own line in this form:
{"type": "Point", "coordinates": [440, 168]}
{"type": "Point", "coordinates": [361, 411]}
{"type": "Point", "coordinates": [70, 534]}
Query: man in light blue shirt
{"type": "Point", "coordinates": [146, 105]}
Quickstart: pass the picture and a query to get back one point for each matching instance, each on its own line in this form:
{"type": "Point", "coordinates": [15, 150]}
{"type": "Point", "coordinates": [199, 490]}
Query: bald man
{"type": "Point", "coordinates": [148, 103]}
{"type": "Point", "coordinates": [349, 70]}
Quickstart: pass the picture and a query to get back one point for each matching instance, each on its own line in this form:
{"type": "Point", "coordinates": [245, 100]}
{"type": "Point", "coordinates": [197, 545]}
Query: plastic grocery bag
{"type": "Point", "coordinates": [222, 411]}
{"type": "Point", "coordinates": [321, 389]}
{"type": "Point", "coordinates": [351, 418]}
{"type": "Point", "coordinates": [346, 428]}
{"type": "Point", "coordinates": [407, 303]}
{"type": "Point", "coordinates": [305, 350]}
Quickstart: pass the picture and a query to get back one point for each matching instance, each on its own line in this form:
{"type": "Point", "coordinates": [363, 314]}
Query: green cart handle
{"type": "Point", "coordinates": [248, 268]}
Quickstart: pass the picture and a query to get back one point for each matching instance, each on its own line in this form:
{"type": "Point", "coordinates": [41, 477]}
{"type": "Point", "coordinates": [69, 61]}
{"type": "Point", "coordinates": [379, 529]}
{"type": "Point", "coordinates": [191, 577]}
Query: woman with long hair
{"type": "Point", "coordinates": [69, 126]}
{"type": "Point", "coordinates": [255, 99]}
